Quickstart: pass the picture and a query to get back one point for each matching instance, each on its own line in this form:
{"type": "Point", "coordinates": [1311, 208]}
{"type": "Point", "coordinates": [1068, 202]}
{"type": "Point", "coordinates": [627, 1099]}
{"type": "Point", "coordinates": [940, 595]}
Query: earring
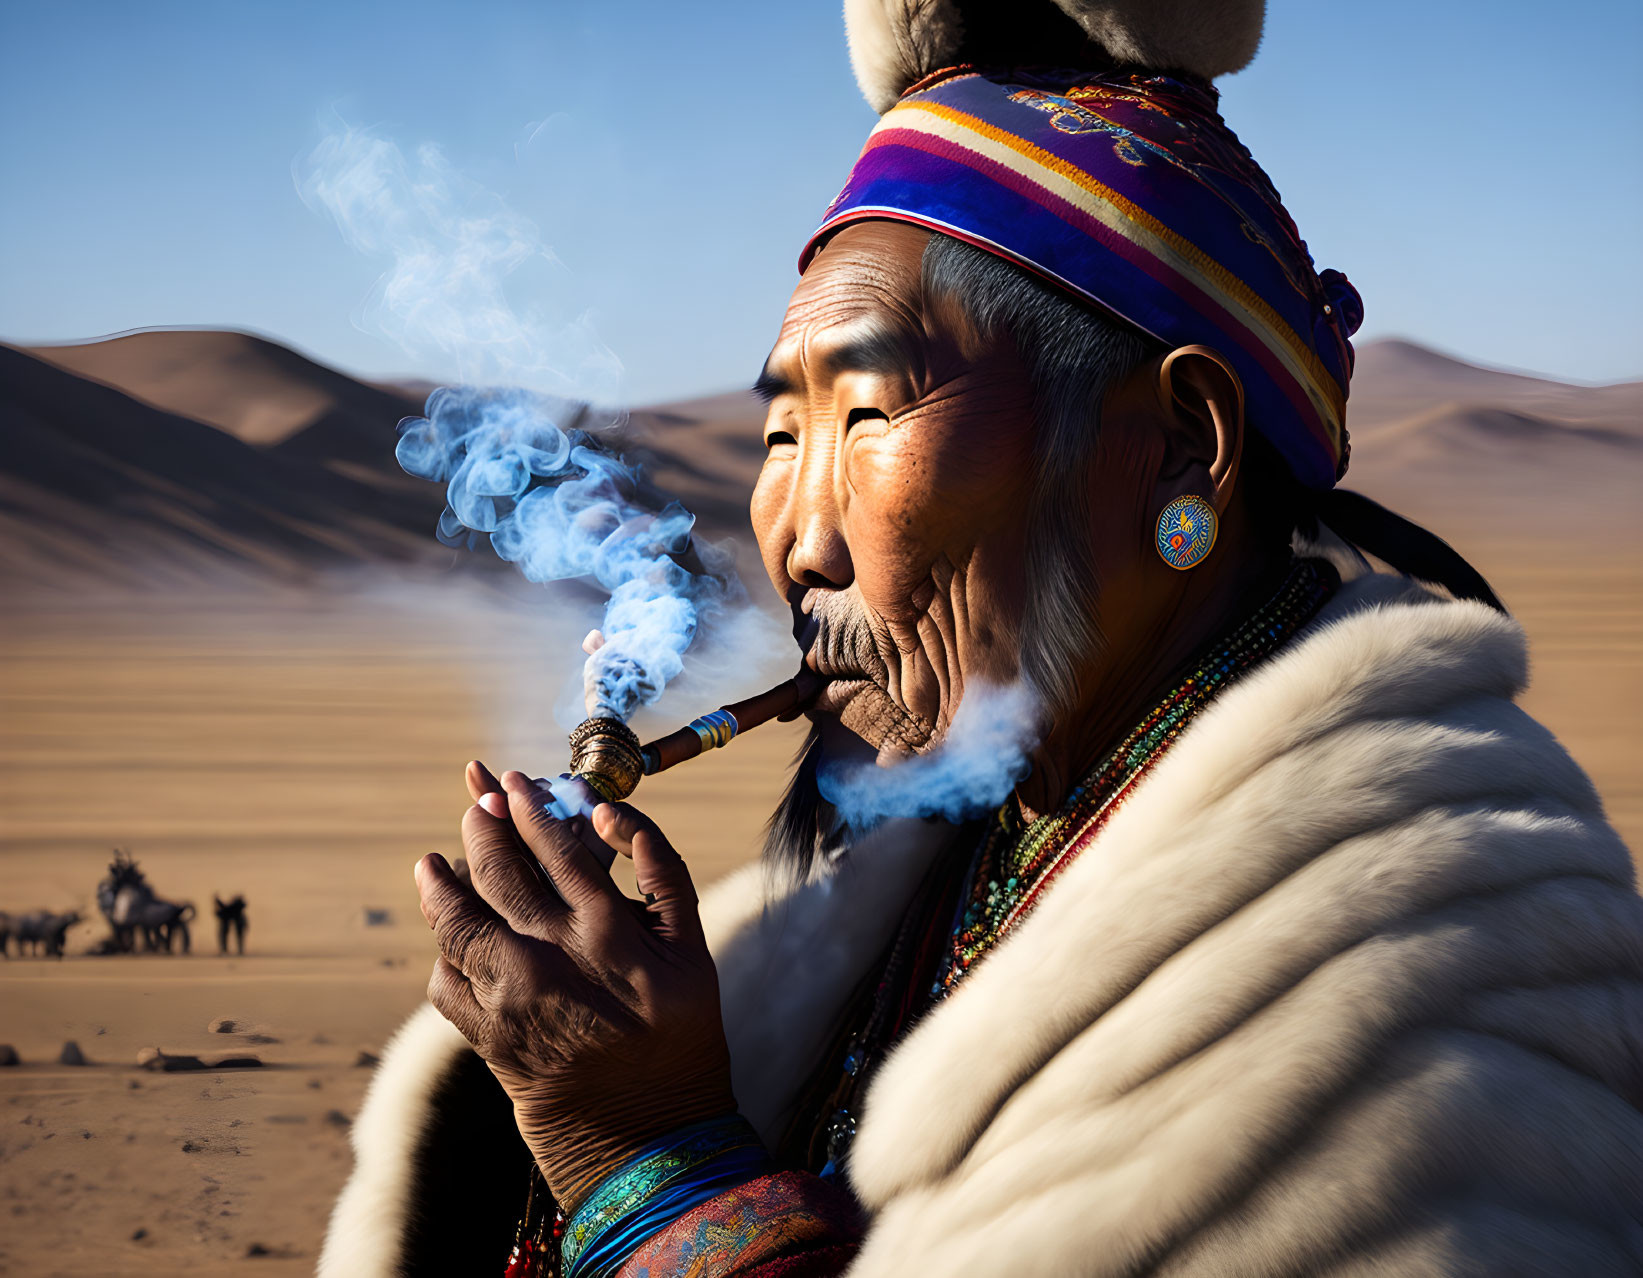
{"type": "Point", "coordinates": [1186, 532]}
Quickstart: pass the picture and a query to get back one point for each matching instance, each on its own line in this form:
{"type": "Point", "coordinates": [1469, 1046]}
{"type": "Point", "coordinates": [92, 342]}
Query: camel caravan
{"type": "Point", "coordinates": [139, 919]}
{"type": "Point", "coordinates": [37, 929]}
{"type": "Point", "coordinates": [135, 912]}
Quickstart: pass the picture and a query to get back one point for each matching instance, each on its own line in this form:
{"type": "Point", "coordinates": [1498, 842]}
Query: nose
{"type": "Point", "coordinates": [820, 559]}
{"type": "Point", "coordinates": [819, 555]}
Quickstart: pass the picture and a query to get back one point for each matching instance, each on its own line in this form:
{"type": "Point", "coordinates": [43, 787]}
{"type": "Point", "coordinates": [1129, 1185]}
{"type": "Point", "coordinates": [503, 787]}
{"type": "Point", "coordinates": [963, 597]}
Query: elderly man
{"type": "Point", "coordinates": [1296, 948]}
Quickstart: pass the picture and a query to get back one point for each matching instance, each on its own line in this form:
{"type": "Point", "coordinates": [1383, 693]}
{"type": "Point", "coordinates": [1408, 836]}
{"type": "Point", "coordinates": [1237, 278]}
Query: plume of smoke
{"type": "Point", "coordinates": [980, 760]}
{"type": "Point", "coordinates": [522, 472]}
{"type": "Point", "coordinates": [560, 506]}
{"type": "Point", "coordinates": [452, 247]}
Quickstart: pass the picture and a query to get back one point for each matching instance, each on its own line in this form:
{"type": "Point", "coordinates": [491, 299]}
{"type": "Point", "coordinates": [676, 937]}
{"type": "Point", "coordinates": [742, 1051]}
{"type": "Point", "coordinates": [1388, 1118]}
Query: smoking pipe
{"type": "Point", "coordinates": [606, 756]}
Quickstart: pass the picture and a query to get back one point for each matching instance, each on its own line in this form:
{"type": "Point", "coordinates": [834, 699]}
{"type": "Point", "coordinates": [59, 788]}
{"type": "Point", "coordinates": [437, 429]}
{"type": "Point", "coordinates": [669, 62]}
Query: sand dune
{"type": "Point", "coordinates": [95, 483]}
{"type": "Point", "coordinates": [1395, 380]}
{"type": "Point", "coordinates": [229, 644]}
{"type": "Point", "coordinates": [169, 456]}
{"type": "Point", "coordinates": [256, 390]}
{"type": "Point", "coordinates": [1488, 472]}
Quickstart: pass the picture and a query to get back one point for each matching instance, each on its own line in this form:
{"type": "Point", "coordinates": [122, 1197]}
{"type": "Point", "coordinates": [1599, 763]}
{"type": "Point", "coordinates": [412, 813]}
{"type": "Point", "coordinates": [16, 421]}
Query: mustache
{"type": "Point", "coordinates": [839, 640]}
{"type": "Point", "coordinates": [845, 645]}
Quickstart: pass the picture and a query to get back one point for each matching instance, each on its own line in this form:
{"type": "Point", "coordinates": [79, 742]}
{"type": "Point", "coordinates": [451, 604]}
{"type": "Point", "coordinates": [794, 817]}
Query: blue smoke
{"type": "Point", "coordinates": [470, 284]}
{"type": "Point", "coordinates": [555, 501]}
{"type": "Point", "coordinates": [548, 496]}
{"type": "Point", "coordinates": [982, 757]}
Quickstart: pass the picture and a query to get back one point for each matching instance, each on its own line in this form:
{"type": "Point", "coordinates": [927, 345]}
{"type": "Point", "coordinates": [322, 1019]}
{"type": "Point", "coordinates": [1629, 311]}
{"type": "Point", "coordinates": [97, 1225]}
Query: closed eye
{"type": "Point", "coordinates": [864, 414]}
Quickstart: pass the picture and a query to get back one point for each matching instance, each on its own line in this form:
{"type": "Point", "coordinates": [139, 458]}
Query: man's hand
{"type": "Point", "coordinates": [599, 1015]}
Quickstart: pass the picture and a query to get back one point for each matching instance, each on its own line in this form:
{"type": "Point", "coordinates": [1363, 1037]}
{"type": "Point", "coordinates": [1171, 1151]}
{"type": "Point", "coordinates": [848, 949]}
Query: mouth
{"type": "Point", "coordinates": [840, 650]}
{"type": "Point", "coordinates": [861, 703]}
{"type": "Point", "coordinates": [843, 678]}
{"type": "Point", "coordinates": [840, 683]}
{"type": "Point", "coordinates": [837, 693]}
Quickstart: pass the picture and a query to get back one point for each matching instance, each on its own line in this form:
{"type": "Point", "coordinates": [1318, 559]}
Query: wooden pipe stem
{"type": "Point", "coordinates": [718, 728]}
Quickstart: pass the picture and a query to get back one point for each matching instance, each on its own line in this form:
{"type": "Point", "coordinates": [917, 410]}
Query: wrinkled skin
{"type": "Point", "coordinates": [892, 515]}
{"type": "Point", "coordinates": [889, 509]}
{"type": "Point", "coordinates": [592, 1010]}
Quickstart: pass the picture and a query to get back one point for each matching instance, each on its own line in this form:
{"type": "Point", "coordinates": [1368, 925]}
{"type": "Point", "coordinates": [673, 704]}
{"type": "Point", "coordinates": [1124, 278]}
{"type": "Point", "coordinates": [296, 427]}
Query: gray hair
{"type": "Point", "coordinates": [1073, 354]}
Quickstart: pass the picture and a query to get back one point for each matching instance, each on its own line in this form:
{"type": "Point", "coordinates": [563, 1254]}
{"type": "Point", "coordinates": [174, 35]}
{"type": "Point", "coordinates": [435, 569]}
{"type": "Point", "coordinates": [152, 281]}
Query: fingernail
{"type": "Point", "coordinates": [495, 804]}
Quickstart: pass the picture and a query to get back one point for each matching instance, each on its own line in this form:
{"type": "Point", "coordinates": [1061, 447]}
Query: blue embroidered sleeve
{"type": "Point", "coordinates": [663, 1182]}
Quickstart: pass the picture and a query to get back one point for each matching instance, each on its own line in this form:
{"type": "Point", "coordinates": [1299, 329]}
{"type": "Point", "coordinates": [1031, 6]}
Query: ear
{"type": "Point", "coordinates": [1202, 413]}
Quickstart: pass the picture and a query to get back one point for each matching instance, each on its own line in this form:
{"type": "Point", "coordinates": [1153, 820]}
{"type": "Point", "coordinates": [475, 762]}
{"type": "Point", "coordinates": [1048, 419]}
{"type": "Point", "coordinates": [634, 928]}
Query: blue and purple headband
{"type": "Point", "coordinates": [1129, 191]}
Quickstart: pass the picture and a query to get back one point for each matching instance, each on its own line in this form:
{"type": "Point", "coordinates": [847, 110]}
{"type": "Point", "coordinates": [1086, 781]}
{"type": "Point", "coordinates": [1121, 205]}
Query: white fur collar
{"type": "Point", "coordinates": [1208, 975]}
{"type": "Point", "coordinates": [787, 964]}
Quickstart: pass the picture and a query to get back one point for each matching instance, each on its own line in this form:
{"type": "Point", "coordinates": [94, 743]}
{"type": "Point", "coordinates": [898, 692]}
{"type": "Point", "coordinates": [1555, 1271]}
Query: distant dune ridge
{"type": "Point", "coordinates": [174, 453]}
{"type": "Point", "coordinates": [98, 482]}
{"type": "Point", "coordinates": [1479, 455]}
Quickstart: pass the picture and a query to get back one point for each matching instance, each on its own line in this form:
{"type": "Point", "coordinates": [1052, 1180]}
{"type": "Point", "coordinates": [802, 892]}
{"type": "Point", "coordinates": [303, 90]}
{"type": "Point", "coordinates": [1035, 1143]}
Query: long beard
{"type": "Point", "coordinates": [804, 831]}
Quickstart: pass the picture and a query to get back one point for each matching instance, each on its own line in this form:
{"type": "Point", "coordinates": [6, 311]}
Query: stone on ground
{"type": "Point", "coordinates": [152, 1058]}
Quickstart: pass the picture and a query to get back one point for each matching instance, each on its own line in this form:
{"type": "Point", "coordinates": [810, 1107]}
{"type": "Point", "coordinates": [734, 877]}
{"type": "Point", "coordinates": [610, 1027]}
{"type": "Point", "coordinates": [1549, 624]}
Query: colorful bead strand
{"type": "Point", "coordinates": [1017, 863]}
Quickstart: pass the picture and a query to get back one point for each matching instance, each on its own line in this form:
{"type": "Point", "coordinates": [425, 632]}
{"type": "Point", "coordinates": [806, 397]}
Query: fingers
{"type": "Point", "coordinates": [453, 998]}
{"type": "Point", "coordinates": [505, 873]}
{"type": "Point", "coordinates": [617, 823]}
{"type": "Point", "coordinates": [484, 789]}
{"type": "Point", "coordinates": [466, 930]}
{"type": "Point", "coordinates": [576, 875]}
{"type": "Point", "coordinates": [658, 869]}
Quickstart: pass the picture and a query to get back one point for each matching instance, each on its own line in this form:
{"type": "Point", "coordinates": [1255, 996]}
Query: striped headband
{"type": "Point", "coordinates": [1129, 191]}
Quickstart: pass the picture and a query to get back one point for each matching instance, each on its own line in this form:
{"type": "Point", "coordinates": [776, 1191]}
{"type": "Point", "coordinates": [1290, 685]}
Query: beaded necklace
{"type": "Point", "coordinates": [1016, 862]}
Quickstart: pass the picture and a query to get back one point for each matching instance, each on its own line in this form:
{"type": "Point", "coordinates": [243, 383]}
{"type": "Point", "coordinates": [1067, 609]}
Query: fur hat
{"type": "Point", "coordinates": [896, 43]}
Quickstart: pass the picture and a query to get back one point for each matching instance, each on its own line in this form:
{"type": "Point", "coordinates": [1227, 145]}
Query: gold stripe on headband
{"type": "Point", "coordinates": [1071, 184]}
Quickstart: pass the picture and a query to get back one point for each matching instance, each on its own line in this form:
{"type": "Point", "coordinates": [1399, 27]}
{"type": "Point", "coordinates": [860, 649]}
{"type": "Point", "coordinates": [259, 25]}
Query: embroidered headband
{"type": "Point", "coordinates": [1129, 191]}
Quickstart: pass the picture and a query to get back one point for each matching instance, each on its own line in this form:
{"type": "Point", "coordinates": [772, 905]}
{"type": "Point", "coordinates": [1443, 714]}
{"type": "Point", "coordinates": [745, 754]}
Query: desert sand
{"type": "Point", "coordinates": [304, 755]}
{"type": "Point", "coordinates": [282, 704]}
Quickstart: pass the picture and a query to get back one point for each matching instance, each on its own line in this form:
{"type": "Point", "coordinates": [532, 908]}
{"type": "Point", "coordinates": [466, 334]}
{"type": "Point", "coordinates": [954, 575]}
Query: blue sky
{"type": "Point", "coordinates": [1474, 166]}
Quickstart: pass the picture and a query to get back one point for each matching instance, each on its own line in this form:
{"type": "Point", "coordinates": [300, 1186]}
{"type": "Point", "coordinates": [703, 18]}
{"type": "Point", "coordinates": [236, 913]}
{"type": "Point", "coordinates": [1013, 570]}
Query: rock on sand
{"type": "Point", "coordinates": [152, 1058]}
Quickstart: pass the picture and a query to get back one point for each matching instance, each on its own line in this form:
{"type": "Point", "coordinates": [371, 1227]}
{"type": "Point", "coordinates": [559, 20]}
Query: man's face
{"type": "Point", "coordinates": [892, 508]}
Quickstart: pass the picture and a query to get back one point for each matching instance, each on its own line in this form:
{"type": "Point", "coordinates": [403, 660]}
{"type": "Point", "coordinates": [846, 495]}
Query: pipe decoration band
{"type": "Point", "coordinates": [605, 755]}
{"type": "Point", "coordinates": [715, 730]}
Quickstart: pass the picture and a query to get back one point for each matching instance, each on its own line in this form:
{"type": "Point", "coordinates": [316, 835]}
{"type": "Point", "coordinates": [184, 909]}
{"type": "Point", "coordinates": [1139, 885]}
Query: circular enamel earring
{"type": "Point", "coordinates": [1186, 532]}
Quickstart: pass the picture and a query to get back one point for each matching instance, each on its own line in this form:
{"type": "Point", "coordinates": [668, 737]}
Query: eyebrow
{"type": "Point", "coordinates": [767, 385]}
{"type": "Point", "coordinates": [877, 348]}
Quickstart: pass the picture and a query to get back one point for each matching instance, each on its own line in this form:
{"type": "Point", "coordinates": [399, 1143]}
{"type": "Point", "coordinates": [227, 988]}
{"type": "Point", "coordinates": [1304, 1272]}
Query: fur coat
{"type": "Point", "coordinates": [1352, 985]}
